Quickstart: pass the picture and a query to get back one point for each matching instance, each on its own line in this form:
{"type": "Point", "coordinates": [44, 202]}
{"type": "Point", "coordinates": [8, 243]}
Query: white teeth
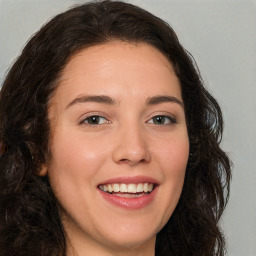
{"type": "Point", "coordinates": [109, 187]}
{"type": "Point", "coordinates": [116, 187]}
{"type": "Point", "coordinates": [140, 188]}
{"type": "Point", "coordinates": [123, 188]}
{"type": "Point", "coordinates": [150, 187]}
{"type": "Point", "coordinates": [127, 188]}
{"type": "Point", "coordinates": [132, 188]}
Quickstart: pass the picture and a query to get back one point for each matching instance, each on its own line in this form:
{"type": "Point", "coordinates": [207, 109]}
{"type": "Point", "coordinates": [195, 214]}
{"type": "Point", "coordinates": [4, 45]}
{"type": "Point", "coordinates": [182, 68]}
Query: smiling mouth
{"type": "Point", "coordinates": [128, 190]}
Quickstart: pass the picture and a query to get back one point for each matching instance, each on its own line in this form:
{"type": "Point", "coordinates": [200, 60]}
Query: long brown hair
{"type": "Point", "coordinates": [29, 220]}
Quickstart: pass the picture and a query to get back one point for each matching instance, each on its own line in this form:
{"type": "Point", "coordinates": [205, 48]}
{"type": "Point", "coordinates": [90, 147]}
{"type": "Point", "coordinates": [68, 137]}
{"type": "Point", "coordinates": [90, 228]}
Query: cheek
{"type": "Point", "coordinates": [173, 154]}
{"type": "Point", "coordinates": [74, 155]}
{"type": "Point", "coordinates": [173, 158]}
{"type": "Point", "coordinates": [176, 162]}
{"type": "Point", "coordinates": [75, 163]}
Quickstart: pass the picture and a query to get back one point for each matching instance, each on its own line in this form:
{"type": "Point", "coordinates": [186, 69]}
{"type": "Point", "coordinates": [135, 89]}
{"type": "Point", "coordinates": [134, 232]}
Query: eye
{"type": "Point", "coordinates": [94, 120]}
{"type": "Point", "coordinates": [162, 120]}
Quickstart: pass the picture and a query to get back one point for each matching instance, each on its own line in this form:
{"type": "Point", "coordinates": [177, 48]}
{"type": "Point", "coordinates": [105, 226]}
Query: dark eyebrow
{"type": "Point", "coordinates": [92, 98]}
{"type": "Point", "coordinates": [163, 98]}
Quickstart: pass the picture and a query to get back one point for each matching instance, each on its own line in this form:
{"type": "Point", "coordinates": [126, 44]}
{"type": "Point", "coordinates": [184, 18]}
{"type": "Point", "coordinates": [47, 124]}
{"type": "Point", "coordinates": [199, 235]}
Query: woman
{"type": "Point", "coordinates": [110, 143]}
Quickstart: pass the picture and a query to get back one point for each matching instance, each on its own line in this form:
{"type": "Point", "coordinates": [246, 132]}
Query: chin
{"type": "Point", "coordinates": [133, 239]}
{"type": "Point", "coordinates": [132, 243]}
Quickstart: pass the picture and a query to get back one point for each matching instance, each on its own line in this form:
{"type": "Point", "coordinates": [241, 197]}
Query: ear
{"type": "Point", "coordinates": [43, 170]}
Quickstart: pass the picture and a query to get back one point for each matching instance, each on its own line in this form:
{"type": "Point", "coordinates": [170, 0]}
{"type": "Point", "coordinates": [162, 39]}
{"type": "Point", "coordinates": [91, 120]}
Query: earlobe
{"type": "Point", "coordinates": [43, 170]}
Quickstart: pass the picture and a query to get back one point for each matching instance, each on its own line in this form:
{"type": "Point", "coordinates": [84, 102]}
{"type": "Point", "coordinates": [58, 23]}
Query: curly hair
{"type": "Point", "coordinates": [29, 219]}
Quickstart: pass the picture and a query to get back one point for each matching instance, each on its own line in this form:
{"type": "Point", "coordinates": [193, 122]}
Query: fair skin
{"type": "Point", "coordinates": [117, 117]}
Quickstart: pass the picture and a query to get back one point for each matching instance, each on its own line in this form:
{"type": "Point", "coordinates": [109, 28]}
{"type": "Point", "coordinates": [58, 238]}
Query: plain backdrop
{"type": "Point", "coordinates": [221, 35]}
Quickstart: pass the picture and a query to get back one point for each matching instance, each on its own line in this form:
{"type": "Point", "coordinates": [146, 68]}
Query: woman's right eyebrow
{"type": "Point", "coordinates": [92, 98]}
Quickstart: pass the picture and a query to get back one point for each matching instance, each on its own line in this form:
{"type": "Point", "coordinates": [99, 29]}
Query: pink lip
{"type": "Point", "coordinates": [130, 203]}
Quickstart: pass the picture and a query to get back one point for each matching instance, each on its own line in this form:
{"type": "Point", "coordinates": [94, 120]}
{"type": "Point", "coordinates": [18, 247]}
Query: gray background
{"type": "Point", "coordinates": [221, 35]}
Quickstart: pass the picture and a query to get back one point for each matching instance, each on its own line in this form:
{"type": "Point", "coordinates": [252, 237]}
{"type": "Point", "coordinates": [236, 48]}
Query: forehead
{"type": "Point", "coordinates": [118, 68]}
{"type": "Point", "coordinates": [109, 55]}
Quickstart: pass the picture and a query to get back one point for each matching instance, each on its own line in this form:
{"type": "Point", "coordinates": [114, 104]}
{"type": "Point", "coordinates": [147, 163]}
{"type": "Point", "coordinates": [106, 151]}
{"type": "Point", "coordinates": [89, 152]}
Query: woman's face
{"type": "Point", "coordinates": [119, 146]}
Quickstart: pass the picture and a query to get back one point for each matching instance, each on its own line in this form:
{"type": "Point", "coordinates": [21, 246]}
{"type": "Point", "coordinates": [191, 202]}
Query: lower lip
{"type": "Point", "coordinates": [130, 203]}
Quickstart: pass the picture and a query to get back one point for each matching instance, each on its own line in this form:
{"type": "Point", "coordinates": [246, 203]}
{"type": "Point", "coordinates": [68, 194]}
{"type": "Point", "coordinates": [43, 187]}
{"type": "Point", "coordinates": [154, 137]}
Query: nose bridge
{"type": "Point", "coordinates": [131, 145]}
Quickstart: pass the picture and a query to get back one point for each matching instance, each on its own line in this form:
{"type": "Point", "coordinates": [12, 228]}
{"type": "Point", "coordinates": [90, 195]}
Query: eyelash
{"type": "Point", "coordinates": [171, 120]}
{"type": "Point", "coordinates": [97, 120]}
{"type": "Point", "coordinates": [93, 117]}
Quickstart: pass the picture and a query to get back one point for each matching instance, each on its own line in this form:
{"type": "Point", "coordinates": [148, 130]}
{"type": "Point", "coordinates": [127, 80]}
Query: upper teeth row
{"type": "Point", "coordinates": [130, 188]}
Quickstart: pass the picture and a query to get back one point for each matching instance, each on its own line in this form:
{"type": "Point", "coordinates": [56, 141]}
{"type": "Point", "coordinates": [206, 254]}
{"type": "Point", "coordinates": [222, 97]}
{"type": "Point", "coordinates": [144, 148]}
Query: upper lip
{"type": "Point", "coordinates": [130, 180]}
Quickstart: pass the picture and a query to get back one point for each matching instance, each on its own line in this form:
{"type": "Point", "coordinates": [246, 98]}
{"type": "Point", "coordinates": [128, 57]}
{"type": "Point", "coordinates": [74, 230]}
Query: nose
{"type": "Point", "coordinates": [131, 147]}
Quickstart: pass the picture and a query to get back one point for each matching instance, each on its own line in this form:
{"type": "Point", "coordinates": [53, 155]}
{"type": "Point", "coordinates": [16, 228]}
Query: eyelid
{"type": "Point", "coordinates": [85, 117]}
{"type": "Point", "coordinates": [172, 119]}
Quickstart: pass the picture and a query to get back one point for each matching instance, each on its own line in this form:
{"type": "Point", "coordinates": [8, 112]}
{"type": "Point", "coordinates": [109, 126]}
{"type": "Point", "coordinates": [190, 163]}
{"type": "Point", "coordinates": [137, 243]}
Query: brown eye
{"type": "Point", "coordinates": [95, 120]}
{"type": "Point", "coordinates": [162, 120]}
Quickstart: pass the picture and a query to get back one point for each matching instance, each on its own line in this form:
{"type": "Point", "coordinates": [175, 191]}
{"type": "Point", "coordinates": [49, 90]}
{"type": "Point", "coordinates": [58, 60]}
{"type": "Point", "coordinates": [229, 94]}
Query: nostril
{"type": "Point", "coordinates": [132, 161]}
{"type": "Point", "coordinates": [124, 160]}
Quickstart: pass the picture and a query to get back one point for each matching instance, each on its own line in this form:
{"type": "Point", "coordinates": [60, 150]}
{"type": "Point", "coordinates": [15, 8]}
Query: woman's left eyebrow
{"type": "Point", "coordinates": [164, 98]}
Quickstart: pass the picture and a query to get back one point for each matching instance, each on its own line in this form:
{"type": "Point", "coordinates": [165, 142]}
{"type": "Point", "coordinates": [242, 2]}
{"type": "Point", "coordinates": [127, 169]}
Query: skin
{"type": "Point", "coordinates": [127, 141]}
